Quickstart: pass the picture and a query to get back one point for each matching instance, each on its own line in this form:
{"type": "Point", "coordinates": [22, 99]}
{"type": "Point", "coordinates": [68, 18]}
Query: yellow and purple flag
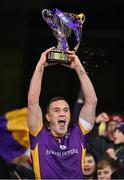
{"type": "Point", "coordinates": [14, 134]}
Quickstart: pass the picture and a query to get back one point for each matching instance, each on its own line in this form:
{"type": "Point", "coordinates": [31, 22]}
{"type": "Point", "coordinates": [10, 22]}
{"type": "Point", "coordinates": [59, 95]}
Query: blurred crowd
{"type": "Point", "coordinates": [104, 156]}
{"type": "Point", "coordinates": [105, 149]}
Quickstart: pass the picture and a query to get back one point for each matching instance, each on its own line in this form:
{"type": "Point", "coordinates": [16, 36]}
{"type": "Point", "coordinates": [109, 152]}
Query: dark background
{"type": "Point", "coordinates": [24, 35]}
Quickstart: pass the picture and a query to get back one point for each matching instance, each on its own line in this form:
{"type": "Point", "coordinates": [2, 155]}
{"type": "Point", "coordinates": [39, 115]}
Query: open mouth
{"type": "Point", "coordinates": [61, 123]}
{"type": "Point", "coordinates": [86, 169]}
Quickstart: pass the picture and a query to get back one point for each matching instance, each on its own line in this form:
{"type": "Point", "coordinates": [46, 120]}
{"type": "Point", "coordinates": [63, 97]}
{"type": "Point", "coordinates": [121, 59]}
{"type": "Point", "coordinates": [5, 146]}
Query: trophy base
{"type": "Point", "coordinates": [58, 57]}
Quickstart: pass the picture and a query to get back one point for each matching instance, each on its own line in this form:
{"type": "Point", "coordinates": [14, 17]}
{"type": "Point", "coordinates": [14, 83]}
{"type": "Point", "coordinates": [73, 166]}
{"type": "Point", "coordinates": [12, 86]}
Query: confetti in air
{"type": "Point", "coordinates": [93, 59]}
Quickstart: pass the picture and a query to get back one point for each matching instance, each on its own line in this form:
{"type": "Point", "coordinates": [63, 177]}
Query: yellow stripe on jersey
{"type": "Point", "coordinates": [83, 156]}
{"type": "Point", "coordinates": [36, 162]}
{"type": "Point", "coordinates": [84, 131]}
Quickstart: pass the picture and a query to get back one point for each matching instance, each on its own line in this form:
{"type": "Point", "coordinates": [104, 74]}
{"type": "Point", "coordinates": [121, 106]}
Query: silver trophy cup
{"type": "Point", "coordinates": [62, 26]}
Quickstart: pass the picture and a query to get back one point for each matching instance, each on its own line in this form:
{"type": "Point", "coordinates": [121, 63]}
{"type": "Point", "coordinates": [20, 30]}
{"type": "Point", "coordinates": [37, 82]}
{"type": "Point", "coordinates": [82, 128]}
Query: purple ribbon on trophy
{"type": "Point", "coordinates": [70, 21]}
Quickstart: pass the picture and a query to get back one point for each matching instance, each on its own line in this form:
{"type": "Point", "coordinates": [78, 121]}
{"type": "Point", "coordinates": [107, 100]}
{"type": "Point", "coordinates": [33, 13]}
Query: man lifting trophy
{"type": "Point", "coordinates": [58, 150]}
{"type": "Point", "coordinates": [62, 24]}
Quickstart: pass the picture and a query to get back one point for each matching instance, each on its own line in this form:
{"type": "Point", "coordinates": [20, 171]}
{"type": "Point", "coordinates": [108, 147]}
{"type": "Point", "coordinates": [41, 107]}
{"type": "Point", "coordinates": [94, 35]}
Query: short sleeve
{"type": "Point", "coordinates": [84, 125]}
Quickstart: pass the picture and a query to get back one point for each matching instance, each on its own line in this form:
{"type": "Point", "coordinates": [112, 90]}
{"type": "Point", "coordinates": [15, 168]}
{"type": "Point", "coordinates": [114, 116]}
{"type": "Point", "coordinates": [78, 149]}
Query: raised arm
{"type": "Point", "coordinates": [90, 100]}
{"type": "Point", "coordinates": [35, 118]}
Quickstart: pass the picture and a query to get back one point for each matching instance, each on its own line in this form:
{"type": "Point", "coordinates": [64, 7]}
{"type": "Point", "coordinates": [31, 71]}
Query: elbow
{"type": "Point", "coordinates": [92, 100]}
{"type": "Point", "coordinates": [95, 100]}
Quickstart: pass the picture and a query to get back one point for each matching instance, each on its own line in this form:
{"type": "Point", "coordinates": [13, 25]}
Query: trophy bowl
{"type": "Point", "coordinates": [62, 24]}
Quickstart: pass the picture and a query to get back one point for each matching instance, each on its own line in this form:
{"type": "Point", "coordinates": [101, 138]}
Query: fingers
{"type": "Point", "coordinates": [48, 50]}
{"type": "Point", "coordinates": [44, 55]}
{"type": "Point", "coordinates": [73, 56]}
{"type": "Point", "coordinates": [70, 52]}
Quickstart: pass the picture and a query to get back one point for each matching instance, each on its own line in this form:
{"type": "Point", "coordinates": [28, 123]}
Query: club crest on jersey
{"type": "Point", "coordinates": [63, 147]}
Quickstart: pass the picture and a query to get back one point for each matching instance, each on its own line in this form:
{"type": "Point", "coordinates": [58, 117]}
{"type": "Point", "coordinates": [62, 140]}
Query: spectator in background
{"type": "Point", "coordinates": [89, 168]}
{"type": "Point", "coordinates": [99, 131]}
{"type": "Point", "coordinates": [105, 168]}
{"type": "Point", "coordinates": [101, 120]}
{"type": "Point", "coordinates": [117, 151]}
{"type": "Point", "coordinates": [101, 143]}
{"type": "Point", "coordinates": [114, 120]}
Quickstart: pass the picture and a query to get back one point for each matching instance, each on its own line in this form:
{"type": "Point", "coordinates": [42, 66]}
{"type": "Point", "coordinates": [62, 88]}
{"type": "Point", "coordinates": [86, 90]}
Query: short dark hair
{"type": "Point", "coordinates": [107, 162]}
{"type": "Point", "coordinates": [57, 98]}
{"type": "Point", "coordinates": [91, 153]}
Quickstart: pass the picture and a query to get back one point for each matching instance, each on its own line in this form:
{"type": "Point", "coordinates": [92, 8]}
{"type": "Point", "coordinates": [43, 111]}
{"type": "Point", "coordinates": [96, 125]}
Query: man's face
{"type": "Point", "coordinates": [59, 117]}
{"type": "Point", "coordinates": [111, 128]}
{"type": "Point", "coordinates": [89, 165]}
{"type": "Point", "coordinates": [119, 137]}
{"type": "Point", "coordinates": [104, 173]}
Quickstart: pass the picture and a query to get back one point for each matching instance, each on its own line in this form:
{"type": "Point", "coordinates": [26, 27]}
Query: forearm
{"type": "Point", "coordinates": [90, 100]}
{"type": "Point", "coordinates": [36, 81]}
{"type": "Point", "coordinates": [86, 85]}
{"type": "Point", "coordinates": [35, 85]}
{"type": "Point", "coordinates": [35, 117]}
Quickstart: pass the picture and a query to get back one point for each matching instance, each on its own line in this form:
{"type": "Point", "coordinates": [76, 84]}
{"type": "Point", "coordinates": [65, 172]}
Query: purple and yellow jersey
{"type": "Point", "coordinates": [61, 158]}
